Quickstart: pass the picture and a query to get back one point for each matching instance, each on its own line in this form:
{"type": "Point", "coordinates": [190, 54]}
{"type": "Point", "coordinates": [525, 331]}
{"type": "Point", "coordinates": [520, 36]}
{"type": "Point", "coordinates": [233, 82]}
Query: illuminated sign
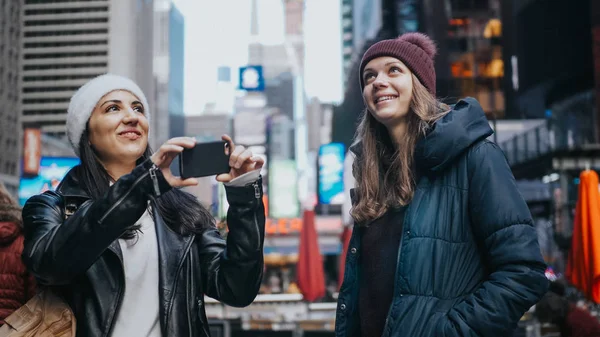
{"type": "Point", "coordinates": [331, 174]}
{"type": "Point", "coordinates": [52, 171]}
{"type": "Point", "coordinates": [251, 78]}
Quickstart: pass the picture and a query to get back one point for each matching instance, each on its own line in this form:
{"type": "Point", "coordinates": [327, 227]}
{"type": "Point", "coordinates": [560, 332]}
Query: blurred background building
{"type": "Point", "coordinates": [10, 135]}
{"type": "Point", "coordinates": [169, 47]}
{"type": "Point", "coordinates": [66, 43]}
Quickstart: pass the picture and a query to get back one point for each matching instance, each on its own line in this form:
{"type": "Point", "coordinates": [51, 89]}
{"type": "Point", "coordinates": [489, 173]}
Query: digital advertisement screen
{"type": "Point", "coordinates": [52, 171]}
{"type": "Point", "coordinates": [331, 174]}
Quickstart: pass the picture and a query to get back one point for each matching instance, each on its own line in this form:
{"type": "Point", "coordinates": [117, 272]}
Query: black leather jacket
{"type": "Point", "coordinates": [81, 256]}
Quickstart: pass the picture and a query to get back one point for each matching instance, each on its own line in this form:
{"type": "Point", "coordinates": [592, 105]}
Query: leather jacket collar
{"type": "Point", "coordinates": [70, 187]}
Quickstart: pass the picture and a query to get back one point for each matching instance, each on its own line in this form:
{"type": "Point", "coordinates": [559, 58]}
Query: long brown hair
{"type": "Point", "coordinates": [384, 172]}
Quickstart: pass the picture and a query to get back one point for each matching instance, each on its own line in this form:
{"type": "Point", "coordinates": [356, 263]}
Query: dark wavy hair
{"type": "Point", "coordinates": [181, 211]}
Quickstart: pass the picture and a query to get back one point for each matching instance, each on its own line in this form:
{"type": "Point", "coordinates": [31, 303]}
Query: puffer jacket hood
{"type": "Point", "coordinates": [452, 135]}
{"type": "Point", "coordinates": [448, 137]}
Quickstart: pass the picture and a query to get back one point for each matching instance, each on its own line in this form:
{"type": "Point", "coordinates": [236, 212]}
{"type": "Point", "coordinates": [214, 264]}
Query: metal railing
{"type": "Point", "coordinates": [571, 126]}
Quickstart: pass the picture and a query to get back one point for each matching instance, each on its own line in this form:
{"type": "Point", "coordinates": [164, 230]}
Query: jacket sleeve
{"type": "Point", "coordinates": [57, 250]}
{"type": "Point", "coordinates": [232, 270]}
{"type": "Point", "coordinates": [502, 225]}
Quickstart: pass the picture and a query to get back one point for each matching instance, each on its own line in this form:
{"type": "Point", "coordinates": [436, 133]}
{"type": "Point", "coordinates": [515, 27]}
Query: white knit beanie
{"type": "Point", "coordinates": [85, 99]}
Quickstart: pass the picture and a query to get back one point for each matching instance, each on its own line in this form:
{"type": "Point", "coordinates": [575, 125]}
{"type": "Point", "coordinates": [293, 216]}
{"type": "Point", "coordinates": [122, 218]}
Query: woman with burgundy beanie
{"type": "Point", "coordinates": [17, 286]}
{"type": "Point", "coordinates": [443, 243]}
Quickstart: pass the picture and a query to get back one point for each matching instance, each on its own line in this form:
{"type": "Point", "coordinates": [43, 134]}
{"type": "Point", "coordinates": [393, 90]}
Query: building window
{"type": "Point", "coordinates": [59, 55]}
{"type": "Point", "coordinates": [58, 77]}
{"type": "Point", "coordinates": [65, 44]}
{"type": "Point", "coordinates": [37, 23]}
{"type": "Point", "coordinates": [66, 32]}
{"type": "Point", "coordinates": [63, 66]}
{"type": "Point", "coordinates": [51, 89]}
{"type": "Point", "coordinates": [45, 11]}
{"type": "Point", "coordinates": [475, 53]}
{"type": "Point", "coordinates": [46, 100]}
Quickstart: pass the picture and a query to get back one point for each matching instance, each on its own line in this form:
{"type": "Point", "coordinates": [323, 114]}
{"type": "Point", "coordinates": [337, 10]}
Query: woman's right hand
{"type": "Point", "coordinates": [165, 155]}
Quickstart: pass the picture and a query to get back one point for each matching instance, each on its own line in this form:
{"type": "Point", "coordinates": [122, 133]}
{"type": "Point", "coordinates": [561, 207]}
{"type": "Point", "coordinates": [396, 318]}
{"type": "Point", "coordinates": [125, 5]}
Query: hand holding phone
{"type": "Point", "coordinates": [204, 159]}
{"type": "Point", "coordinates": [241, 161]}
{"type": "Point", "coordinates": [222, 158]}
{"type": "Point", "coordinates": [163, 157]}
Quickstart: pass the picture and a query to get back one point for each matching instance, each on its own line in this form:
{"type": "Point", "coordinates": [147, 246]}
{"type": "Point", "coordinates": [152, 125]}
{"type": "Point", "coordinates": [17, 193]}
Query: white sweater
{"type": "Point", "coordinates": [138, 315]}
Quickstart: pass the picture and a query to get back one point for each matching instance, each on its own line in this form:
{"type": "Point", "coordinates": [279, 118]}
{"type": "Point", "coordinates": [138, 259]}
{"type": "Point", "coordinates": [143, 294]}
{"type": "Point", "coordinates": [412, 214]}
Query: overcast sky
{"type": "Point", "coordinates": [217, 33]}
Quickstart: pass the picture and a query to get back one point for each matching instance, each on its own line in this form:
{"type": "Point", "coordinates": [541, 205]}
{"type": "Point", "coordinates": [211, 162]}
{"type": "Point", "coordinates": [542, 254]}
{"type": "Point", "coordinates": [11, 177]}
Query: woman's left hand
{"type": "Point", "coordinates": [241, 161]}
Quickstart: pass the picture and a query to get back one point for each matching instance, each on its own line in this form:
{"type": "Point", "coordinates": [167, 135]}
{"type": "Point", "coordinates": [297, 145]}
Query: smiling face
{"type": "Point", "coordinates": [118, 128]}
{"type": "Point", "coordinates": [388, 89]}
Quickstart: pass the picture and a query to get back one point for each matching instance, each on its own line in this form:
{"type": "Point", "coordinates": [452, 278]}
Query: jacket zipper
{"type": "Point", "coordinates": [119, 299]}
{"type": "Point", "coordinates": [153, 170]}
{"type": "Point", "coordinates": [199, 301]}
{"type": "Point", "coordinates": [187, 250]}
{"type": "Point", "coordinates": [114, 206]}
{"type": "Point", "coordinates": [189, 303]}
{"type": "Point", "coordinates": [257, 197]}
{"type": "Point", "coordinates": [397, 273]}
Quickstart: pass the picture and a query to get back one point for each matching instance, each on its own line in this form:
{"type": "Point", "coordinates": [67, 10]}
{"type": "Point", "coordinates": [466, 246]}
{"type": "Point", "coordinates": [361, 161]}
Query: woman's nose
{"type": "Point", "coordinates": [380, 82]}
{"type": "Point", "coordinates": [131, 116]}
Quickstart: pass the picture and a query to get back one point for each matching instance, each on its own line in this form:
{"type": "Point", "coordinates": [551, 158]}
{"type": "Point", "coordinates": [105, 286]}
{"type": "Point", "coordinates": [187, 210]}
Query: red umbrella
{"type": "Point", "coordinates": [583, 266]}
{"type": "Point", "coordinates": [309, 269]}
{"type": "Point", "coordinates": [346, 235]}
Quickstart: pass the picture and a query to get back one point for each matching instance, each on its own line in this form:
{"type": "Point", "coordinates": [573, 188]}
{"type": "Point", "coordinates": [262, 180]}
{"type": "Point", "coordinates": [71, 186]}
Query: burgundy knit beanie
{"type": "Point", "coordinates": [415, 50]}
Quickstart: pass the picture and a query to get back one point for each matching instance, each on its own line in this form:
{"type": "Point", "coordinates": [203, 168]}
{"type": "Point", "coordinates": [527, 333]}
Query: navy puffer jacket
{"type": "Point", "coordinates": [469, 262]}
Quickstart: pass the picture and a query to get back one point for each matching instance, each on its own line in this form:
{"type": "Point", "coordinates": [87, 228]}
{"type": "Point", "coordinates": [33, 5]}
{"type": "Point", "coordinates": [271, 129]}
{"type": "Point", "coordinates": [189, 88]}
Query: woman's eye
{"type": "Point", "coordinates": [395, 70]}
{"type": "Point", "coordinates": [139, 108]}
{"type": "Point", "coordinates": [369, 76]}
{"type": "Point", "coordinates": [112, 108]}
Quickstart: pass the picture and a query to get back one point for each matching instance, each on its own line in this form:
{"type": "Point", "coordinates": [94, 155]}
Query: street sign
{"type": "Point", "coordinates": [252, 79]}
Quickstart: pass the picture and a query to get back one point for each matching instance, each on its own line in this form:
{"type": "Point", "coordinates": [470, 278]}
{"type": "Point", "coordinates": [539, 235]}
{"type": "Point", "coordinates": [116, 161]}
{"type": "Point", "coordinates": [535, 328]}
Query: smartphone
{"type": "Point", "coordinates": [204, 159]}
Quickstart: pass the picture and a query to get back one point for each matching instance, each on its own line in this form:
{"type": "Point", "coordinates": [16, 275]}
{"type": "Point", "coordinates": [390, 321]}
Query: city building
{"type": "Point", "coordinates": [66, 43]}
{"type": "Point", "coordinates": [318, 117]}
{"type": "Point", "coordinates": [225, 92]}
{"type": "Point", "coordinates": [347, 38]}
{"type": "Point", "coordinates": [168, 69]}
{"type": "Point", "coordinates": [10, 135]}
{"type": "Point", "coordinates": [470, 58]}
{"type": "Point", "coordinates": [370, 21]}
{"type": "Point", "coordinates": [282, 66]}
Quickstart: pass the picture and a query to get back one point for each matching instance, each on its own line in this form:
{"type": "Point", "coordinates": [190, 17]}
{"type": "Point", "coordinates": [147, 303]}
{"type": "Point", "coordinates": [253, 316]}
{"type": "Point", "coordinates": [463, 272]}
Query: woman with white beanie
{"type": "Point", "coordinates": [131, 253]}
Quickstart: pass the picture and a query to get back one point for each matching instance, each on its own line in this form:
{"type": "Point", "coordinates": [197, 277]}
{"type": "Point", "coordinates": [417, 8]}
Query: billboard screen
{"type": "Point", "coordinates": [52, 171]}
{"type": "Point", "coordinates": [331, 174]}
{"type": "Point", "coordinates": [283, 189]}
